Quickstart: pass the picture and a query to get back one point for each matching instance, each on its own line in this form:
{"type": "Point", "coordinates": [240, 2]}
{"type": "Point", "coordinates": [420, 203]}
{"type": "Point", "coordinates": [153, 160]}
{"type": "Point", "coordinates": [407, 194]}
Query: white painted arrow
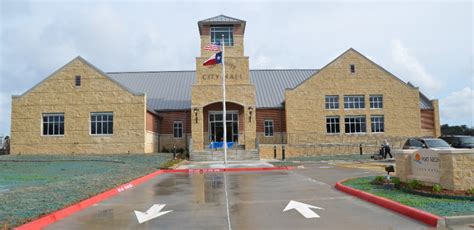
{"type": "Point", "coordinates": [302, 208]}
{"type": "Point", "coordinates": [151, 213]}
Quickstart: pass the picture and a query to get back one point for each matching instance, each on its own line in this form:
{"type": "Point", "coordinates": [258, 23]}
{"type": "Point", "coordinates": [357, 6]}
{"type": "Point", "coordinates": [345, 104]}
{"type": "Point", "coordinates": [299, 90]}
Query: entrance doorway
{"type": "Point", "coordinates": [216, 128]}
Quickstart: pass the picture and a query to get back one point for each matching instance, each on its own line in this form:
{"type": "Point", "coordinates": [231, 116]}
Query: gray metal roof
{"type": "Point", "coordinates": [165, 90]}
{"type": "Point", "coordinates": [425, 103]}
{"type": "Point", "coordinates": [171, 90]}
{"type": "Point", "coordinates": [221, 18]}
{"type": "Point", "coordinates": [271, 84]}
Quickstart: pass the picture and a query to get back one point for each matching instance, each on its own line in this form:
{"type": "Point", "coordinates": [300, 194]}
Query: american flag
{"type": "Point", "coordinates": [213, 47]}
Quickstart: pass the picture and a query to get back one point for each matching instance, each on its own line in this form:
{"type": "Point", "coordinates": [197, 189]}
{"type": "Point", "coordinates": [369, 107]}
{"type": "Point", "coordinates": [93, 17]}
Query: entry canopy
{"type": "Point", "coordinates": [221, 20]}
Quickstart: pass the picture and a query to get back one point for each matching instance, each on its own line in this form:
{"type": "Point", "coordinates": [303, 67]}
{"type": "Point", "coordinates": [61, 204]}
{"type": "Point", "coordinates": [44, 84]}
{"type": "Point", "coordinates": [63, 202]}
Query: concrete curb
{"type": "Point", "coordinates": [414, 213]}
{"type": "Point", "coordinates": [48, 219]}
{"type": "Point", "coordinates": [458, 220]}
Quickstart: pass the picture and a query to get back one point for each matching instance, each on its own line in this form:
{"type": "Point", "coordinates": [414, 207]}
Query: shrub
{"type": "Point", "coordinates": [414, 184]}
{"type": "Point", "coordinates": [396, 180]}
{"type": "Point", "coordinates": [471, 191]}
{"type": "Point", "coordinates": [437, 188]}
{"type": "Point", "coordinates": [378, 180]}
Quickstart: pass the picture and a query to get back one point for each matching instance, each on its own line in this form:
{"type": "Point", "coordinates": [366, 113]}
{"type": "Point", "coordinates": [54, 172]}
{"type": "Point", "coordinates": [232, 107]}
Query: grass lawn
{"type": "Point", "coordinates": [437, 206]}
{"type": "Point", "coordinates": [32, 185]}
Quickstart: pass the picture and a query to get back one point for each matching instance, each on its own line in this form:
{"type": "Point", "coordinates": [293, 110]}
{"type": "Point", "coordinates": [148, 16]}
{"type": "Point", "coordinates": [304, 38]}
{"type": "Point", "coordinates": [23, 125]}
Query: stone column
{"type": "Point", "coordinates": [250, 127]}
{"type": "Point", "coordinates": [437, 128]}
{"type": "Point", "coordinates": [197, 127]}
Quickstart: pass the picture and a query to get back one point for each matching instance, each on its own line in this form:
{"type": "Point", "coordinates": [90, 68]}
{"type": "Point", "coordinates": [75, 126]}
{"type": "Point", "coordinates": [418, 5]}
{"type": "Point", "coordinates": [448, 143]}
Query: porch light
{"type": "Point", "coordinates": [250, 113]}
{"type": "Point", "coordinates": [196, 110]}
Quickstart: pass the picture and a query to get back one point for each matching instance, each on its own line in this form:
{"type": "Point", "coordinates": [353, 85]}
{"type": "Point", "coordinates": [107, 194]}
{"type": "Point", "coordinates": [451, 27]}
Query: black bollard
{"type": "Point", "coordinates": [274, 152]}
{"type": "Point", "coordinates": [360, 149]}
{"type": "Point", "coordinates": [282, 152]}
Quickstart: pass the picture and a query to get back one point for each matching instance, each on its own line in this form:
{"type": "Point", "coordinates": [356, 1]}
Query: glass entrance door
{"type": "Point", "coordinates": [216, 128]}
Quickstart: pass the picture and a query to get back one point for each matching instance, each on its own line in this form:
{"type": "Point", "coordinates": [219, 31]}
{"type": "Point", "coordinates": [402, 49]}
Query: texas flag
{"type": "Point", "coordinates": [214, 59]}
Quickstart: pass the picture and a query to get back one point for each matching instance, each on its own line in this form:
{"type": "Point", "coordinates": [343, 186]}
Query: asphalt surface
{"type": "Point", "coordinates": [242, 200]}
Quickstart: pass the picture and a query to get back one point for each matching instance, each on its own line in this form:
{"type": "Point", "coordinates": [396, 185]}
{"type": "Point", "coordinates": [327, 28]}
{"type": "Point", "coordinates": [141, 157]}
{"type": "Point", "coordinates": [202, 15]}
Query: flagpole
{"type": "Point", "coordinates": [224, 116]}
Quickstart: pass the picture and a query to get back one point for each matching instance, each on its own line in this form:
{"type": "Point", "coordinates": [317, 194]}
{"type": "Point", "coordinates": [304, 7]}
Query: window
{"type": "Point", "coordinates": [354, 102]}
{"type": "Point", "coordinates": [53, 124]}
{"type": "Point", "coordinates": [78, 80]}
{"type": "Point", "coordinates": [353, 68]}
{"type": "Point", "coordinates": [102, 123]}
{"type": "Point", "coordinates": [332, 125]}
{"type": "Point", "coordinates": [178, 129]}
{"type": "Point", "coordinates": [355, 124]}
{"type": "Point", "coordinates": [268, 128]}
{"type": "Point", "coordinates": [218, 31]}
{"type": "Point", "coordinates": [376, 101]}
{"type": "Point", "coordinates": [332, 102]}
{"type": "Point", "coordinates": [377, 124]}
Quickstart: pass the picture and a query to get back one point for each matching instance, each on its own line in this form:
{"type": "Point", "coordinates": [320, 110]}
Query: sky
{"type": "Point", "coordinates": [427, 43]}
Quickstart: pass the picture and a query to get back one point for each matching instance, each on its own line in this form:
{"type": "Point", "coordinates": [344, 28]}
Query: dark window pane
{"type": "Point", "coordinates": [45, 128]}
{"type": "Point", "coordinates": [93, 128]}
{"type": "Point", "coordinates": [99, 128]}
{"type": "Point", "coordinates": [110, 128]}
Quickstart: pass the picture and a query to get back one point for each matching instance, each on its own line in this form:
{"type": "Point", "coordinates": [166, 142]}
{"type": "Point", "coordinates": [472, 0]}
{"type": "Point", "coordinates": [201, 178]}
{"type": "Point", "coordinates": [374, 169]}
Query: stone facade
{"type": "Point", "coordinates": [305, 105]}
{"type": "Point", "coordinates": [207, 89]}
{"type": "Point", "coordinates": [455, 168]}
{"type": "Point", "coordinates": [299, 121]}
{"type": "Point", "coordinates": [58, 94]}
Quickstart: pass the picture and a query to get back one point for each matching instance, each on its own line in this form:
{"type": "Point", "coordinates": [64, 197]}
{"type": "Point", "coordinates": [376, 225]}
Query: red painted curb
{"type": "Point", "coordinates": [44, 221]}
{"type": "Point", "coordinates": [414, 213]}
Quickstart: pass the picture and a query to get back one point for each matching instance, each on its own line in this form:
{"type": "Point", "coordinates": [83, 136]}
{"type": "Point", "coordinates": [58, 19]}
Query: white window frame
{"type": "Point", "coordinates": [102, 122]}
{"type": "Point", "coordinates": [354, 102]}
{"type": "Point", "coordinates": [229, 42]}
{"type": "Point", "coordinates": [48, 123]}
{"type": "Point", "coordinates": [268, 124]}
{"type": "Point", "coordinates": [377, 124]}
{"type": "Point", "coordinates": [376, 101]}
{"type": "Point", "coordinates": [177, 127]}
{"type": "Point", "coordinates": [360, 121]}
{"type": "Point", "coordinates": [331, 102]}
{"type": "Point", "coordinates": [331, 121]}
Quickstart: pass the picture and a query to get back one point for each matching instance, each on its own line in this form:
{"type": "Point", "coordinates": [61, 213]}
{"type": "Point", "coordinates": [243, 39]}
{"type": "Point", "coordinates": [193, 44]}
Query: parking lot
{"type": "Point", "coordinates": [241, 200]}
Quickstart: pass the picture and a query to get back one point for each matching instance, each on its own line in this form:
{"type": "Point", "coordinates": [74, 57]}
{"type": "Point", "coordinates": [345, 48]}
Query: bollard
{"type": "Point", "coordinates": [282, 152]}
{"type": "Point", "coordinates": [360, 148]}
{"type": "Point", "coordinates": [174, 151]}
{"type": "Point", "coordinates": [274, 152]}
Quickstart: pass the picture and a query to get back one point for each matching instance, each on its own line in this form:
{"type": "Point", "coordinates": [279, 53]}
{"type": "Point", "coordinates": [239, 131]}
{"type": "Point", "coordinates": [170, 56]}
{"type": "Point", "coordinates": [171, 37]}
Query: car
{"type": "Point", "coordinates": [459, 141]}
{"type": "Point", "coordinates": [426, 143]}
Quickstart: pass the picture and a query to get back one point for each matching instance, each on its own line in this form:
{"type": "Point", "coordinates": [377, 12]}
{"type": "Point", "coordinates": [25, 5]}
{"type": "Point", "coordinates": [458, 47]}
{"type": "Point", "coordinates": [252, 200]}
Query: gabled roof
{"type": "Point", "coordinates": [221, 20]}
{"type": "Point", "coordinates": [171, 90]}
{"type": "Point", "coordinates": [88, 64]}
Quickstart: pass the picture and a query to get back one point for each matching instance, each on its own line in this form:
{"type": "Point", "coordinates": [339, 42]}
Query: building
{"type": "Point", "coordinates": [80, 109]}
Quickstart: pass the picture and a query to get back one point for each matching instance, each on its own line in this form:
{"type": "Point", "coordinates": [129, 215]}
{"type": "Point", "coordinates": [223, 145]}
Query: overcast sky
{"type": "Point", "coordinates": [427, 43]}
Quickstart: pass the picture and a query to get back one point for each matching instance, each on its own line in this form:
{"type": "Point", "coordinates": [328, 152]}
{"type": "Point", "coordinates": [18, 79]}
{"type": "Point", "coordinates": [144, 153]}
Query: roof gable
{"type": "Point", "coordinates": [221, 20]}
{"type": "Point", "coordinates": [364, 58]}
{"type": "Point", "coordinates": [78, 58]}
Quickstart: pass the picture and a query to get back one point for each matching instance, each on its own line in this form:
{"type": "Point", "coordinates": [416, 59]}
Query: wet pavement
{"type": "Point", "coordinates": [242, 200]}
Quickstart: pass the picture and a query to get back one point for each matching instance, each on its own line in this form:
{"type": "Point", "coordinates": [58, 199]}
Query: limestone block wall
{"type": "Point", "coordinates": [305, 105]}
{"type": "Point", "coordinates": [151, 142]}
{"type": "Point", "coordinates": [266, 151]}
{"type": "Point", "coordinates": [455, 168]}
{"type": "Point", "coordinates": [58, 94]}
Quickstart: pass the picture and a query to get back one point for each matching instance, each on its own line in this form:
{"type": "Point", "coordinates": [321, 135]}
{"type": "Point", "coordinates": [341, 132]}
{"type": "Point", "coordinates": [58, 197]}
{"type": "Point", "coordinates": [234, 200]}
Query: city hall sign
{"type": "Point", "coordinates": [231, 76]}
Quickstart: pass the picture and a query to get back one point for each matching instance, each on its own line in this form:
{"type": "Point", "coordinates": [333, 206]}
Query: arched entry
{"type": "Point", "coordinates": [214, 126]}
